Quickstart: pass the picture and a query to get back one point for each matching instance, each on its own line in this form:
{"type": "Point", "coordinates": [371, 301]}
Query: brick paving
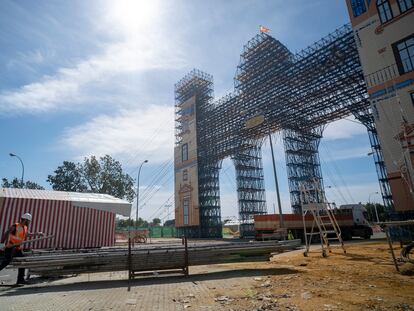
{"type": "Point", "coordinates": [108, 291]}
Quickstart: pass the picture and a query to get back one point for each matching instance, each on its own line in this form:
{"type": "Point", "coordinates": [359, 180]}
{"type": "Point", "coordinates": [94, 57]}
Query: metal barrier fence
{"type": "Point", "coordinates": [150, 232]}
{"type": "Point", "coordinates": [402, 232]}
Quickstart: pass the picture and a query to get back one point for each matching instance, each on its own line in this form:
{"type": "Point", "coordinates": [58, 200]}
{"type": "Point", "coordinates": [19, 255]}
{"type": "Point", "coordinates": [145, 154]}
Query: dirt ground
{"type": "Point", "coordinates": [362, 279]}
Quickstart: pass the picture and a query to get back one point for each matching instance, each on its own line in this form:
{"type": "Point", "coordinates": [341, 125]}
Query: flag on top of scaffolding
{"type": "Point", "coordinates": [264, 29]}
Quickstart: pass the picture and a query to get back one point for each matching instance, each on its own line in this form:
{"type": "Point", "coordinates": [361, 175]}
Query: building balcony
{"type": "Point", "coordinates": [381, 76]}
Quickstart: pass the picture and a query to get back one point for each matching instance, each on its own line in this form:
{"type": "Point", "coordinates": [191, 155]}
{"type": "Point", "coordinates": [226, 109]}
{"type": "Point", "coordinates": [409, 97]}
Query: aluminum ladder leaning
{"type": "Point", "coordinates": [324, 223]}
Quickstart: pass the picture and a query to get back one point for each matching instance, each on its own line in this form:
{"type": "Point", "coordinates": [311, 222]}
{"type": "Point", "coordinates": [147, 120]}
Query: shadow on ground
{"type": "Point", "coordinates": [105, 284]}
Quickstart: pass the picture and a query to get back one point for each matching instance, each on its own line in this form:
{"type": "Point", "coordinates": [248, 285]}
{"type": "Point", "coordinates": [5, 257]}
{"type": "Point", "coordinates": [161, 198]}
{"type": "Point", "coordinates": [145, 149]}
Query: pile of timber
{"type": "Point", "coordinates": [149, 258]}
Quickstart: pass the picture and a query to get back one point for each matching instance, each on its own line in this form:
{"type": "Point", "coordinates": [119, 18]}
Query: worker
{"type": "Point", "coordinates": [13, 238]}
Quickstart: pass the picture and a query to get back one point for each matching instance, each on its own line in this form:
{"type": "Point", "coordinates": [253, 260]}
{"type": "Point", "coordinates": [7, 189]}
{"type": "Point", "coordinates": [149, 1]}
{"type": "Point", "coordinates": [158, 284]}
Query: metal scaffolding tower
{"type": "Point", "coordinates": [302, 162]}
{"type": "Point", "coordinates": [250, 186]}
{"type": "Point", "coordinates": [366, 117]}
{"type": "Point", "coordinates": [274, 90]}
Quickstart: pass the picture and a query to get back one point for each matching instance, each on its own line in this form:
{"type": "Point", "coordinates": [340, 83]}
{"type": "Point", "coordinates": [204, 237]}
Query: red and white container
{"type": "Point", "coordinates": [77, 220]}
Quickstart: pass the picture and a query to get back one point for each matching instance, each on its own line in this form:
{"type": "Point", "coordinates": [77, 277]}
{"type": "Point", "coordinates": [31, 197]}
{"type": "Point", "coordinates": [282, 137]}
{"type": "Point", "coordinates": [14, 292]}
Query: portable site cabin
{"type": "Point", "coordinates": [77, 220]}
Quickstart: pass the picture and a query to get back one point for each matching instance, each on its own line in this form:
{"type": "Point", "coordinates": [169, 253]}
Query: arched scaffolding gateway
{"type": "Point", "coordinates": [275, 90]}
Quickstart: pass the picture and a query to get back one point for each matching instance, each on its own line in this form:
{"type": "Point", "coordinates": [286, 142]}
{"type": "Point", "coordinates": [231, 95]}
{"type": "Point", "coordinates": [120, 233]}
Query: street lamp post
{"type": "Point", "coordinates": [375, 206]}
{"type": "Point", "coordinates": [139, 172]}
{"type": "Point", "coordinates": [276, 183]}
{"type": "Point", "coordinates": [256, 122]}
{"type": "Point", "coordinates": [15, 155]}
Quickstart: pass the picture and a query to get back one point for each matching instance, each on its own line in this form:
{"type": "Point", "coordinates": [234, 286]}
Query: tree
{"type": "Point", "coordinates": [68, 177]}
{"type": "Point", "coordinates": [16, 183]}
{"type": "Point", "coordinates": [382, 213]}
{"type": "Point", "coordinates": [141, 223]}
{"type": "Point", "coordinates": [124, 223]}
{"type": "Point", "coordinates": [169, 223]}
{"type": "Point", "coordinates": [99, 176]}
{"type": "Point", "coordinates": [156, 222]}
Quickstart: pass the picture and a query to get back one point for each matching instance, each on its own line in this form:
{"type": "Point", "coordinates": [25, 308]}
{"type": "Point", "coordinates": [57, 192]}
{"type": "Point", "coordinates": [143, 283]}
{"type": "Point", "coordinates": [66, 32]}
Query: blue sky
{"type": "Point", "coordinates": [97, 77]}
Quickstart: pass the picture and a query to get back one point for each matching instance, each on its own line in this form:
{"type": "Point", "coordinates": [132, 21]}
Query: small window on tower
{"type": "Point", "coordinates": [186, 205]}
{"type": "Point", "coordinates": [184, 152]}
{"type": "Point", "coordinates": [384, 11]}
{"type": "Point", "coordinates": [375, 112]}
{"type": "Point", "coordinates": [405, 5]}
{"type": "Point", "coordinates": [185, 175]}
{"type": "Point", "coordinates": [358, 7]}
{"type": "Point", "coordinates": [404, 54]}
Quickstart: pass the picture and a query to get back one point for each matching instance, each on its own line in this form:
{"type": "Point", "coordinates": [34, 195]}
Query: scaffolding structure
{"type": "Point", "coordinates": [302, 162]}
{"type": "Point", "coordinates": [366, 117]}
{"type": "Point", "coordinates": [250, 185]}
{"type": "Point", "coordinates": [274, 90]}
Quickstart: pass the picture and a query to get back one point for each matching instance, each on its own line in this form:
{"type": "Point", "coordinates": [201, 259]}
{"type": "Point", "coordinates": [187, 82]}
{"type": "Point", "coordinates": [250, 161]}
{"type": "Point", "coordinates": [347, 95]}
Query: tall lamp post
{"type": "Point", "coordinates": [255, 121]}
{"type": "Point", "coordinates": [276, 183]}
{"type": "Point", "coordinates": [139, 172]}
{"type": "Point", "coordinates": [15, 155]}
{"type": "Point", "coordinates": [375, 206]}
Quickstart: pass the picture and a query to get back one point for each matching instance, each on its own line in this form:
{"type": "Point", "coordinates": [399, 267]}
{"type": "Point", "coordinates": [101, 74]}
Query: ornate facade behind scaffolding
{"type": "Point", "coordinates": [274, 90]}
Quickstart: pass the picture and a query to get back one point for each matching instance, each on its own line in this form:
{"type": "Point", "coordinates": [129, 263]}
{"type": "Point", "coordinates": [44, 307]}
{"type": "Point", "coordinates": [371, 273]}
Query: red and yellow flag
{"type": "Point", "coordinates": [264, 29]}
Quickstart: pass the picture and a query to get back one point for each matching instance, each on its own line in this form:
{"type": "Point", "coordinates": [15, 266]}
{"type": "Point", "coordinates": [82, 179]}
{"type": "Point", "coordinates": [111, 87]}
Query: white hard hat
{"type": "Point", "coordinates": [27, 216]}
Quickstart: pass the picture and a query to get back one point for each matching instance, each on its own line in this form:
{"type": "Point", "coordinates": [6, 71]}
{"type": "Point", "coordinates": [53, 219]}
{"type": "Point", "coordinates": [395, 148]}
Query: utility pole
{"type": "Point", "coordinates": [276, 183]}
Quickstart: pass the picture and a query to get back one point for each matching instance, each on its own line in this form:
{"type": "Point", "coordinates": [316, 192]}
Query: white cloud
{"type": "Point", "coordinates": [129, 134]}
{"type": "Point", "coordinates": [343, 129]}
{"type": "Point", "coordinates": [354, 193]}
{"type": "Point", "coordinates": [160, 206]}
{"type": "Point", "coordinates": [344, 153]}
{"type": "Point", "coordinates": [29, 58]}
{"type": "Point", "coordinates": [134, 51]}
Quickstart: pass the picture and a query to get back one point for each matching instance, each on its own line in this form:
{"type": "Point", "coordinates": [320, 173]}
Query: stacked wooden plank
{"type": "Point", "coordinates": [150, 258]}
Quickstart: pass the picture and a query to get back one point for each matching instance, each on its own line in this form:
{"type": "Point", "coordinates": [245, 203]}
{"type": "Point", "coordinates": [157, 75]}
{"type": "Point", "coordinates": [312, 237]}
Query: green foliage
{"type": "Point", "coordinates": [142, 223]}
{"type": "Point", "coordinates": [382, 214]}
{"type": "Point", "coordinates": [126, 223]}
{"type": "Point", "coordinates": [16, 183]}
{"type": "Point", "coordinates": [68, 177]}
{"type": "Point", "coordinates": [156, 222]}
{"type": "Point", "coordinates": [98, 176]}
{"type": "Point", "coordinates": [169, 223]}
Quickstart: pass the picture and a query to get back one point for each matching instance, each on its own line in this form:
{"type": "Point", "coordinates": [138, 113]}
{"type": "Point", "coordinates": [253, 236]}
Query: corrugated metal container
{"type": "Point", "coordinates": [77, 220]}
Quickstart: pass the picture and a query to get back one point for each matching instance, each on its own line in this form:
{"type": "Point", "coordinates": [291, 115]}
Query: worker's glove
{"type": "Point", "coordinates": [2, 246]}
{"type": "Point", "coordinates": [41, 234]}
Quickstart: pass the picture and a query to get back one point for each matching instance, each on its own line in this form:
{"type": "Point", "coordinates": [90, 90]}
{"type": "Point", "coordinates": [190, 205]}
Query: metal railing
{"type": "Point", "coordinates": [383, 75]}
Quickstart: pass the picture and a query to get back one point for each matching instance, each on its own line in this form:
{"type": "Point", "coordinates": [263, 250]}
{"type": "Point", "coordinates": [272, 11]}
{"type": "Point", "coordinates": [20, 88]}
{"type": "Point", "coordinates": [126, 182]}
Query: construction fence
{"type": "Point", "coordinates": [150, 232]}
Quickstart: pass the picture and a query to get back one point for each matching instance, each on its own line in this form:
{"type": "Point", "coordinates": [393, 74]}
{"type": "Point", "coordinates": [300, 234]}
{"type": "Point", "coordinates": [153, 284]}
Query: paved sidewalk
{"type": "Point", "coordinates": [108, 291]}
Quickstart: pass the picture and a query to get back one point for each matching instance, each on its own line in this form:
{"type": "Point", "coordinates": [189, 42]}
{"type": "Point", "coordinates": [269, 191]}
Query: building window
{"type": "Point", "coordinates": [186, 126]}
{"type": "Point", "coordinates": [358, 7]}
{"type": "Point", "coordinates": [185, 175]}
{"type": "Point", "coordinates": [184, 152]}
{"type": "Point", "coordinates": [405, 5]}
{"type": "Point", "coordinates": [404, 54]}
{"type": "Point", "coordinates": [186, 205]}
{"type": "Point", "coordinates": [384, 10]}
{"type": "Point", "coordinates": [375, 112]}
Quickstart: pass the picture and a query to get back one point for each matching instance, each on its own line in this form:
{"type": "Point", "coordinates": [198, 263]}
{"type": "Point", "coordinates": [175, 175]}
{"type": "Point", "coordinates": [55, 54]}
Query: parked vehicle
{"type": "Point", "coordinates": [352, 219]}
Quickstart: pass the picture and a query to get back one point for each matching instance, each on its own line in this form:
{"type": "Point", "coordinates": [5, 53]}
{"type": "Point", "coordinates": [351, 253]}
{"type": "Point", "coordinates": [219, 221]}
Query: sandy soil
{"type": "Point", "coordinates": [362, 279]}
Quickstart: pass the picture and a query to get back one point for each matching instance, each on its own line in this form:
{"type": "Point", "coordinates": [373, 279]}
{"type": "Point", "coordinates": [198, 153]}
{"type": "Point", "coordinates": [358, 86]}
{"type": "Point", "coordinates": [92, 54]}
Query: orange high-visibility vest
{"type": "Point", "coordinates": [20, 236]}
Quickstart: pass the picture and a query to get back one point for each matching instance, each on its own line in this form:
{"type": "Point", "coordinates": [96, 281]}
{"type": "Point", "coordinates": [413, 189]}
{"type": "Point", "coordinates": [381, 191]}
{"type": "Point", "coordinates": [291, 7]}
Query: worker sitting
{"type": "Point", "coordinates": [14, 238]}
